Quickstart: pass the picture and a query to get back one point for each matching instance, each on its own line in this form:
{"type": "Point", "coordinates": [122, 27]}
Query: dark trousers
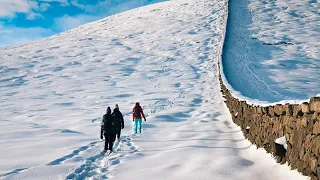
{"type": "Point", "coordinates": [109, 138]}
{"type": "Point", "coordinates": [118, 133]}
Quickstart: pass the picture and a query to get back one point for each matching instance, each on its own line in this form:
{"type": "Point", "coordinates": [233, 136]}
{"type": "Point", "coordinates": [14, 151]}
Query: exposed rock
{"type": "Point", "coordinates": [271, 111]}
{"type": "Point", "coordinates": [259, 110]}
{"type": "Point", "coordinates": [315, 104]}
{"type": "Point", "coordinates": [314, 164]}
{"type": "Point", "coordinates": [289, 109]}
{"type": "Point", "coordinates": [286, 121]}
{"type": "Point", "coordinates": [301, 153]}
{"type": "Point", "coordinates": [287, 136]}
{"type": "Point", "coordinates": [308, 142]}
{"type": "Point", "coordinates": [305, 107]}
{"type": "Point", "coordinates": [297, 110]}
{"type": "Point", "coordinates": [302, 122]}
{"type": "Point", "coordinates": [279, 110]}
{"type": "Point", "coordinates": [265, 110]}
{"type": "Point", "coordinates": [315, 145]}
{"type": "Point", "coordinates": [306, 158]}
{"type": "Point", "coordinates": [315, 116]}
{"type": "Point", "coordinates": [318, 171]}
{"type": "Point", "coordinates": [316, 128]}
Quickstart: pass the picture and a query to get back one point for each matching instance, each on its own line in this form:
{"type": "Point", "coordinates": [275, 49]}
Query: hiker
{"type": "Point", "coordinates": [108, 130]}
{"type": "Point", "coordinates": [137, 118]}
{"type": "Point", "coordinates": [118, 120]}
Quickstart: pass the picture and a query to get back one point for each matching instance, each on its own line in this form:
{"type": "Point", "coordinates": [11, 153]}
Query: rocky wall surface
{"type": "Point", "coordinates": [299, 124]}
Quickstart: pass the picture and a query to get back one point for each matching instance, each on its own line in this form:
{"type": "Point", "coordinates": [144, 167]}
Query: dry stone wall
{"type": "Point", "coordinates": [300, 124]}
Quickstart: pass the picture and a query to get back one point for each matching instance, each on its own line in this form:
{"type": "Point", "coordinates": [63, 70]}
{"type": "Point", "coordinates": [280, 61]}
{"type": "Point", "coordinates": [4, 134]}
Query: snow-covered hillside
{"type": "Point", "coordinates": [277, 44]}
{"type": "Point", "coordinates": [54, 92]}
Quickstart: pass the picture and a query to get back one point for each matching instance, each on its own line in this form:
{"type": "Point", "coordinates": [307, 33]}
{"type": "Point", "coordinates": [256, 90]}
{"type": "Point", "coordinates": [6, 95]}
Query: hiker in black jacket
{"type": "Point", "coordinates": [108, 130]}
{"type": "Point", "coordinates": [118, 120]}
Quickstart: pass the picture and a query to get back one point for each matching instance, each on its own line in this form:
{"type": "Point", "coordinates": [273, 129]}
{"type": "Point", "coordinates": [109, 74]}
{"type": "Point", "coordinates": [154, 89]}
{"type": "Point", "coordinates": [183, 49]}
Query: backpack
{"type": "Point", "coordinates": [137, 111]}
{"type": "Point", "coordinates": [116, 115]}
{"type": "Point", "coordinates": [107, 122]}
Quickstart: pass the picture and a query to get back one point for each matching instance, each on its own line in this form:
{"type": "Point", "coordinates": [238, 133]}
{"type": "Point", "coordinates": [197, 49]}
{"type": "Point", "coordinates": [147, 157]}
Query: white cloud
{"type": "Point", "coordinates": [10, 7]}
{"type": "Point", "coordinates": [33, 16]}
{"type": "Point", "coordinates": [77, 4]}
{"type": "Point", "coordinates": [68, 22]}
{"type": "Point", "coordinates": [62, 2]}
{"type": "Point", "coordinates": [44, 6]}
{"type": "Point", "coordinates": [106, 7]}
{"type": "Point", "coordinates": [89, 8]}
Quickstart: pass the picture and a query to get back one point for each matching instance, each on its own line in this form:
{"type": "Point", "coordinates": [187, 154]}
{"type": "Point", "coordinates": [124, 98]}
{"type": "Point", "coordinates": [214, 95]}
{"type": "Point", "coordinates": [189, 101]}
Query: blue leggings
{"type": "Point", "coordinates": [137, 122]}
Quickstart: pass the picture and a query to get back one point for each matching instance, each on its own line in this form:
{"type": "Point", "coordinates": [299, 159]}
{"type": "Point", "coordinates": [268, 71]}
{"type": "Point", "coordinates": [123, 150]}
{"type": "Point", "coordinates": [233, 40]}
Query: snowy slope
{"type": "Point", "coordinates": [277, 44]}
{"type": "Point", "coordinates": [55, 91]}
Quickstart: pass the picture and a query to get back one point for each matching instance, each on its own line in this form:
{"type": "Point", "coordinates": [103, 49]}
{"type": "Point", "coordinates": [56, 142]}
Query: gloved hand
{"type": "Point", "coordinates": [101, 137]}
{"type": "Point", "coordinates": [132, 119]}
{"type": "Point", "coordinates": [122, 127]}
{"type": "Point", "coordinates": [145, 119]}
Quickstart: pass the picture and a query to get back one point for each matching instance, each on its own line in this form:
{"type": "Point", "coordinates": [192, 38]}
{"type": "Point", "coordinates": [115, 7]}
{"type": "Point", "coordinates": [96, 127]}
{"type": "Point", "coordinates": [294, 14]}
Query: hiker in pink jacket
{"type": "Point", "coordinates": [137, 114]}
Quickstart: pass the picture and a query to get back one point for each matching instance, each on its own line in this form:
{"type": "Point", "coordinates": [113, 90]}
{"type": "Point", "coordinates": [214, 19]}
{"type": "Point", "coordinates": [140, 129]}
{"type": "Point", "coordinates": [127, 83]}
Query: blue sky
{"type": "Point", "coordinates": [25, 20]}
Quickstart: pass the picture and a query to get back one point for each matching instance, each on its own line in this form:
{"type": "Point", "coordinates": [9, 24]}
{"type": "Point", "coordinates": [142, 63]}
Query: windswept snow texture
{"type": "Point", "coordinates": [54, 92]}
{"type": "Point", "coordinates": [272, 49]}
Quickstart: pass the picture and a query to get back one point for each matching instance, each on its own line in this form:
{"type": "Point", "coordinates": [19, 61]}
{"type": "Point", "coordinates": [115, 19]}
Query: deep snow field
{"type": "Point", "coordinates": [277, 44]}
{"type": "Point", "coordinates": [54, 92]}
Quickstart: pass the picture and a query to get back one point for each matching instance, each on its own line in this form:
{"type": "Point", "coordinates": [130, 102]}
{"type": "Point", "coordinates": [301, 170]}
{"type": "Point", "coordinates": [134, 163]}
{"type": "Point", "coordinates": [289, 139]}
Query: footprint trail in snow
{"type": "Point", "coordinates": [98, 165]}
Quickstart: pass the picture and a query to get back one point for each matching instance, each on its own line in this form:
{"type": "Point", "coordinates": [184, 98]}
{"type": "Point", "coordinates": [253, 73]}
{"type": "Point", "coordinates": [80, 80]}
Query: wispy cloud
{"type": "Point", "coordinates": [14, 35]}
{"type": "Point", "coordinates": [97, 10]}
{"type": "Point", "coordinates": [33, 16]}
{"type": "Point", "coordinates": [67, 22]}
{"type": "Point", "coordinates": [60, 1]}
{"type": "Point", "coordinates": [26, 20]}
{"type": "Point", "coordinates": [44, 6]}
{"type": "Point", "coordinates": [10, 7]}
{"type": "Point", "coordinates": [108, 7]}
